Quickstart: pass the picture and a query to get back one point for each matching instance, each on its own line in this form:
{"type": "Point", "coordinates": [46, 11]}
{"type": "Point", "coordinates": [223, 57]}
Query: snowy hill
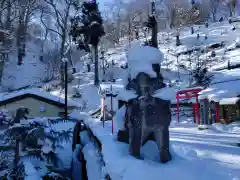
{"type": "Point", "coordinates": [198, 155]}
{"type": "Point", "coordinates": [220, 37]}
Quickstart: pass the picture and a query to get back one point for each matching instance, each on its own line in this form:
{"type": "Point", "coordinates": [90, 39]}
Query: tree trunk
{"type": "Point", "coordinates": [1, 69]}
{"type": "Point", "coordinates": [1, 7]}
{"type": "Point", "coordinates": [118, 27]}
{"type": "Point", "coordinates": [61, 63]}
{"type": "Point", "coordinates": [71, 61]}
{"type": "Point", "coordinates": [20, 39]}
{"type": "Point", "coordinates": [8, 18]}
{"type": "Point", "coordinates": [154, 34]}
{"type": "Point", "coordinates": [214, 16]}
{"type": "Point", "coordinates": [96, 79]}
{"type": "Point", "coordinates": [88, 67]}
{"type": "Point", "coordinates": [17, 153]}
{"type": "Point", "coordinates": [66, 89]}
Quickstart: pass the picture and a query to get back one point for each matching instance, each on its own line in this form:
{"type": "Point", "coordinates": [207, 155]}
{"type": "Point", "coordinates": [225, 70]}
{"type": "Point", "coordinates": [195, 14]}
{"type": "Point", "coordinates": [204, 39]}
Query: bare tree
{"type": "Point", "coordinates": [60, 12]}
{"type": "Point", "coordinates": [123, 18]}
{"type": "Point", "coordinates": [214, 6]}
{"type": "Point", "coordinates": [26, 11]}
{"type": "Point", "coordinates": [232, 6]}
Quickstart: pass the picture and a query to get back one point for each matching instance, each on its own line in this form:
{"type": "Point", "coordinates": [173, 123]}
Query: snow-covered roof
{"type": "Point", "coordinates": [141, 58]}
{"type": "Point", "coordinates": [219, 91]}
{"type": "Point", "coordinates": [233, 100]}
{"type": "Point", "coordinates": [35, 92]}
{"type": "Point", "coordinates": [226, 84]}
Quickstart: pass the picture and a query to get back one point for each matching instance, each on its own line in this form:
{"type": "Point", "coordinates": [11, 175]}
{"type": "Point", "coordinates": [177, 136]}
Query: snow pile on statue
{"type": "Point", "coordinates": [147, 117]}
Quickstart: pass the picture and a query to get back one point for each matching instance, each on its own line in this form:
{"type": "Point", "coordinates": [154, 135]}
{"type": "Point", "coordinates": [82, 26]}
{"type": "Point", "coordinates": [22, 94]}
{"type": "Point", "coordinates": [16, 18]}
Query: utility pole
{"type": "Point", "coordinates": [152, 24]}
{"type": "Point", "coordinates": [129, 32]}
{"type": "Point", "coordinates": [103, 65]}
{"type": "Point", "coordinates": [65, 61]}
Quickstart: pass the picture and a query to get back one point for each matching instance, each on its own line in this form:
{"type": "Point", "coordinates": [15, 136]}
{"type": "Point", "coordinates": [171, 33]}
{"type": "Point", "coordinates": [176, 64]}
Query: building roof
{"type": "Point", "coordinates": [230, 101]}
{"type": "Point", "coordinates": [226, 84]}
{"type": "Point", "coordinates": [35, 93]}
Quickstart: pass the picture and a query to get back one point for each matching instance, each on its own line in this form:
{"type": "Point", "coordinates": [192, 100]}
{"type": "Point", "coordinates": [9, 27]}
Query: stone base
{"type": "Point", "coordinates": [203, 127]}
{"type": "Point", "coordinates": [123, 136]}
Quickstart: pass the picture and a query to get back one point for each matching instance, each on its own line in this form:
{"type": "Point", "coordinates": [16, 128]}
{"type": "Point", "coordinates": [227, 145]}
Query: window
{"type": "Point", "coordinates": [231, 112]}
{"type": "Point", "coordinates": [1, 57]}
{"type": "Point", "coordinates": [42, 108]}
{"type": "Point", "coordinates": [41, 58]}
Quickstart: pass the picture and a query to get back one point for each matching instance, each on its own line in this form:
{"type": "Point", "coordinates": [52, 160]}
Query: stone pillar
{"type": "Point", "coordinates": [204, 111]}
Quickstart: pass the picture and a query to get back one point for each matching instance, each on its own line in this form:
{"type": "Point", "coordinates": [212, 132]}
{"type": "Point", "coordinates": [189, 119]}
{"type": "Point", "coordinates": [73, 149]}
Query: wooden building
{"type": "Point", "coordinates": [39, 103]}
{"type": "Point", "coordinates": [229, 110]}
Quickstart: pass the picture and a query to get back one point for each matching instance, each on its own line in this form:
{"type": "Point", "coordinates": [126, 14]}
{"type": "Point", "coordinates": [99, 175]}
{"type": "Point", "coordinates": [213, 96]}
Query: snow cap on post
{"type": "Point", "coordinates": [64, 59]}
{"type": "Point", "coordinates": [141, 58]}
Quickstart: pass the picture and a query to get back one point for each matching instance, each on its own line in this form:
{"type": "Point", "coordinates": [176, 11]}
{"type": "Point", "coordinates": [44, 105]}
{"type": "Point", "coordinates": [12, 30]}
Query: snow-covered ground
{"type": "Point", "coordinates": [197, 155]}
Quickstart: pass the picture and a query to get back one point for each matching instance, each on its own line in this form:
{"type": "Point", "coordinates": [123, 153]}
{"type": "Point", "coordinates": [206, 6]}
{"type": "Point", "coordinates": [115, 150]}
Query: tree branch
{"type": "Point", "coordinates": [46, 27]}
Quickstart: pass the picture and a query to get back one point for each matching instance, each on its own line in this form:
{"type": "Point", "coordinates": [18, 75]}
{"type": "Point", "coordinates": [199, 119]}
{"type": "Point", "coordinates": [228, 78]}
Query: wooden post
{"type": "Point", "coordinates": [17, 153]}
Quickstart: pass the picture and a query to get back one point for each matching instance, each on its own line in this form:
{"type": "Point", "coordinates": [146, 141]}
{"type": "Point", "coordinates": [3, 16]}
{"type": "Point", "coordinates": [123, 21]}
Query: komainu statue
{"type": "Point", "coordinates": [147, 116]}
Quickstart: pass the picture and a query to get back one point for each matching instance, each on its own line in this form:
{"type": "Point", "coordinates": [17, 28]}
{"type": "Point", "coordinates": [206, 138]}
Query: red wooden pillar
{"type": "Point", "coordinates": [178, 109]}
{"type": "Point", "coordinates": [197, 109]}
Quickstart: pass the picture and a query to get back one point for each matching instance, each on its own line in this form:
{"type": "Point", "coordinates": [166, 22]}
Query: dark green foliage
{"type": "Point", "coordinates": [17, 172]}
{"type": "Point", "coordinates": [5, 118]}
{"type": "Point", "coordinates": [57, 174]}
{"type": "Point", "coordinates": [52, 176]}
{"type": "Point", "coordinates": [29, 135]}
{"type": "Point", "coordinates": [202, 77]}
{"type": "Point", "coordinates": [91, 29]}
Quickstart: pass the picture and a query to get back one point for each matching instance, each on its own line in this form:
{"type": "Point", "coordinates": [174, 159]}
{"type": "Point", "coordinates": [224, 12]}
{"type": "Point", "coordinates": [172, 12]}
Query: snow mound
{"type": "Point", "coordinates": [185, 163]}
{"type": "Point", "coordinates": [30, 171]}
{"type": "Point", "coordinates": [141, 58]}
{"type": "Point", "coordinates": [119, 119]}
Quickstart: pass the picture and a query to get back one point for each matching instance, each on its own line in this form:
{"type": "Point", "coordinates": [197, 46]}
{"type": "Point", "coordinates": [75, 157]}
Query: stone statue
{"type": "Point", "coordinates": [21, 114]}
{"type": "Point", "coordinates": [147, 117]}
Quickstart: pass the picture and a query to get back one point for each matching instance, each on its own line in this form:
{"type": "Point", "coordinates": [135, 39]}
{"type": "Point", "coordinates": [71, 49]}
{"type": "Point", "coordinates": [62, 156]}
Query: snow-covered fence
{"type": "Point", "coordinates": [184, 111]}
{"type": "Point", "coordinates": [30, 171]}
{"type": "Point", "coordinates": [77, 163]}
{"type": "Point", "coordinates": [94, 162]}
{"type": "Point", "coordinates": [91, 143]}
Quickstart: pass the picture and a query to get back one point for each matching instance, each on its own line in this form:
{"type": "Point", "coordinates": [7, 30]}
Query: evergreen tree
{"type": "Point", "coordinates": [201, 77]}
{"type": "Point", "coordinates": [87, 29]}
{"type": "Point", "coordinates": [28, 140]}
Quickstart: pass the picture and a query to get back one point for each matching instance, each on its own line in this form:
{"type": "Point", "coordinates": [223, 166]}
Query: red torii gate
{"type": "Point", "coordinates": [187, 94]}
